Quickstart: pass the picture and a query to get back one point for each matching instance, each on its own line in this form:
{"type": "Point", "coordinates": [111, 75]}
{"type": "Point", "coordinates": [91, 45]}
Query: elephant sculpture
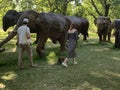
{"type": "Point", "coordinates": [47, 25]}
{"type": "Point", "coordinates": [10, 19]}
{"type": "Point", "coordinates": [81, 24]}
{"type": "Point", "coordinates": [116, 26]}
{"type": "Point", "coordinates": [104, 28]}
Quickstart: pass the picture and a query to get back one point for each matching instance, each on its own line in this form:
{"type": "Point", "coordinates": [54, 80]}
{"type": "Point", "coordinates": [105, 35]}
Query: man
{"type": "Point", "coordinates": [23, 34]}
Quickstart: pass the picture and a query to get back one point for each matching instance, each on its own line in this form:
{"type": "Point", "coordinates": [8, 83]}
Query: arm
{"type": "Point", "coordinates": [28, 34]}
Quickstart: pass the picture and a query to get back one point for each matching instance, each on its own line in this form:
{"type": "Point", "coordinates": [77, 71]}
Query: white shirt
{"type": "Point", "coordinates": [22, 30]}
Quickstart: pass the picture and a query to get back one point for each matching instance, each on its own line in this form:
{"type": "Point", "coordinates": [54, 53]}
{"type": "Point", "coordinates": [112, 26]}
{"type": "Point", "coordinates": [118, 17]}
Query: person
{"type": "Point", "coordinates": [72, 37]}
{"type": "Point", "coordinates": [24, 37]}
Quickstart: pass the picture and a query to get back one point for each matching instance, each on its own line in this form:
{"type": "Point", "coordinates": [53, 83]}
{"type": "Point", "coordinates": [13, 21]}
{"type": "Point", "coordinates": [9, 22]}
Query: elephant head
{"type": "Point", "coordinates": [10, 18]}
{"type": "Point", "coordinates": [104, 27]}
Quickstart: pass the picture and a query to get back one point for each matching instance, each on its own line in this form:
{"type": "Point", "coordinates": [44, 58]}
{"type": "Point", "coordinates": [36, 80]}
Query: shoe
{"type": "Point", "coordinates": [64, 64]}
{"type": "Point", "coordinates": [75, 63]}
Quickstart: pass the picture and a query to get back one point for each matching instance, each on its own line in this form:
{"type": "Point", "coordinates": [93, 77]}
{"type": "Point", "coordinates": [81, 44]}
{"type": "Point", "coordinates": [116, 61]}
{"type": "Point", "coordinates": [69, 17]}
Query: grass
{"type": "Point", "coordinates": [98, 68]}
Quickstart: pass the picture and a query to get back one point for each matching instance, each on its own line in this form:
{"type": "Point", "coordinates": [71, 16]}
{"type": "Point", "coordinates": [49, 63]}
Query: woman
{"type": "Point", "coordinates": [72, 38]}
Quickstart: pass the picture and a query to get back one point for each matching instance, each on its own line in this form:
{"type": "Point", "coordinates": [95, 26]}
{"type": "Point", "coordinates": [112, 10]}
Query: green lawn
{"type": "Point", "coordinates": [98, 68]}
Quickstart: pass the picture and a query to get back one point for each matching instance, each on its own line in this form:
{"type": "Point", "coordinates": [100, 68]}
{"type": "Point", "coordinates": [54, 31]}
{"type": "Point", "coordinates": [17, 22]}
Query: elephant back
{"type": "Point", "coordinates": [11, 12]}
{"type": "Point", "coordinates": [53, 22]}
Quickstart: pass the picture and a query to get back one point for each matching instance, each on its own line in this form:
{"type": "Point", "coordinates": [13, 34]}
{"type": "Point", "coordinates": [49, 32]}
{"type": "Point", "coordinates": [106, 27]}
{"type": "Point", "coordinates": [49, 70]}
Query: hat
{"type": "Point", "coordinates": [25, 20]}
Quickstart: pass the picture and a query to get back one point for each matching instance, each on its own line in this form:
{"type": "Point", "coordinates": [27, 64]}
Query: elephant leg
{"type": "Point", "coordinates": [100, 37]}
{"type": "Point", "coordinates": [62, 44]}
{"type": "Point", "coordinates": [37, 37]}
{"type": "Point", "coordinates": [41, 43]}
{"type": "Point", "coordinates": [117, 41]}
{"type": "Point", "coordinates": [84, 37]}
{"type": "Point", "coordinates": [109, 37]}
{"type": "Point", "coordinates": [104, 37]}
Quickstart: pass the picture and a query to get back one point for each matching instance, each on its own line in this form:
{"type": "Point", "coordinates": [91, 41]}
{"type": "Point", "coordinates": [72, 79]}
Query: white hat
{"type": "Point", "coordinates": [25, 20]}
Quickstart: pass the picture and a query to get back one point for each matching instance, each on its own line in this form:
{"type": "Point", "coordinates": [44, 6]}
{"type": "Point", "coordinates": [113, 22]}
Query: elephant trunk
{"type": "Point", "coordinates": [9, 37]}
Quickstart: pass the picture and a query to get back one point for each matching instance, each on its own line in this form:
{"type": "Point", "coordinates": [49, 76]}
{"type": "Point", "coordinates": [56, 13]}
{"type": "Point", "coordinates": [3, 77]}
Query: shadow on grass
{"type": "Point", "coordinates": [97, 69]}
{"type": "Point", "coordinates": [105, 80]}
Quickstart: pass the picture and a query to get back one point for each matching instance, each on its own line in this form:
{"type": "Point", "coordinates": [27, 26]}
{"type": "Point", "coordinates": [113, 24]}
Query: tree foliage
{"type": "Point", "coordinates": [88, 8]}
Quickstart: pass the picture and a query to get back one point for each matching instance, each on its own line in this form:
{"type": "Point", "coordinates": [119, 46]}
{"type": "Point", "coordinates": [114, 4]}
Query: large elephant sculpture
{"type": "Point", "coordinates": [47, 25]}
{"type": "Point", "coordinates": [104, 28]}
{"type": "Point", "coordinates": [81, 24]}
{"type": "Point", "coordinates": [10, 19]}
{"type": "Point", "coordinates": [116, 26]}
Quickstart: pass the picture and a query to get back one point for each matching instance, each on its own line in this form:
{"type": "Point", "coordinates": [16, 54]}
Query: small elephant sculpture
{"type": "Point", "coordinates": [104, 28]}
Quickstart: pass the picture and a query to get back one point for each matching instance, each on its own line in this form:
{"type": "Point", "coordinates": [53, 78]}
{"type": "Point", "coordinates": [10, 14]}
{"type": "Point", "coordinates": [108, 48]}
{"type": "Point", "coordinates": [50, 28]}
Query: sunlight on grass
{"type": "Point", "coordinates": [87, 86]}
{"type": "Point", "coordinates": [9, 75]}
{"type": "Point", "coordinates": [98, 67]}
{"type": "Point", "coordinates": [51, 58]}
{"type": "Point", "coordinates": [100, 50]}
{"type": "Point", "coordinates": [112, 73]}
{"type": "Point", "coordinates": [116, 58]}
{"type": "Point", "coordinates": [11, 50]}
{"type": "Point", "coordinates": [97, 74]}
{"type": "Point", "coordinates": [2, 86]}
